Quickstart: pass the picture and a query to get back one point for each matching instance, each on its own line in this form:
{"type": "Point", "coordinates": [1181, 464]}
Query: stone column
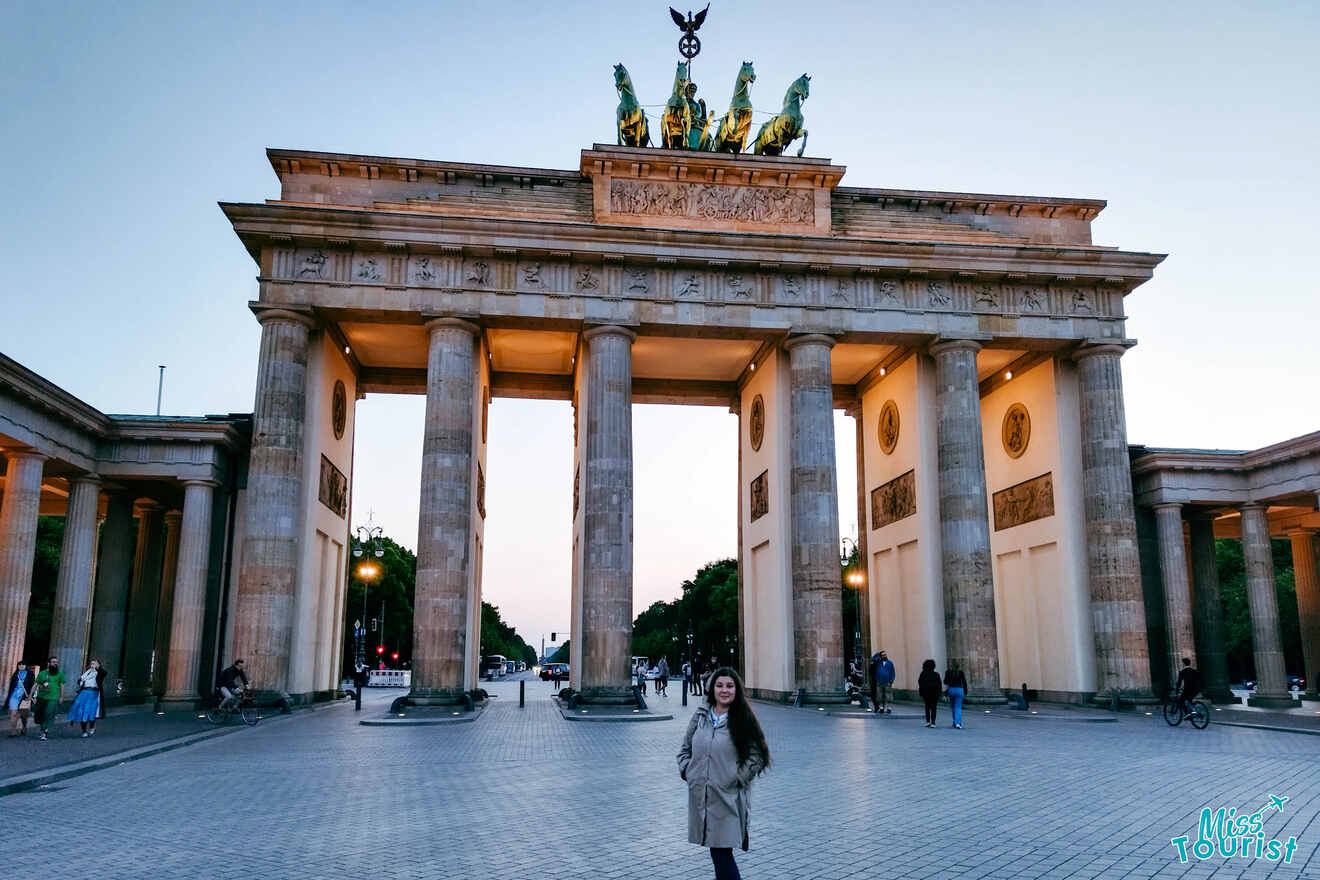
{"type": "Point", "coordinates": [445, 528]}
{"type": "Point", "coordinates": [1118, 615]}
{"type": "Point", "coordinates": [189, 606]}
{"type": "Point", "coordinates": [1304, 550]}
{"type": "Point", "coordinates": [863, 556]}
{"type": "Point", "coordinates": [1177, 588]}
{"type": "Point", "coordinates": [18, 548]}
{"type": "Point", "coordinates": [969, 590]}
{"type": "Point", "coordinates": [268, 579]}
{"type": "Point", "coordinates": [143, 600]}
{"type": "Point", "coordinates": [606, 496]}
{"type": "Point", "coordinates": [110, 601]}
{"type": "Point", "coordinates": [814, 509]}
{"type": "Point", "coordinates": [1209, 611]}
{"type": "Point", "coordinates": [165, 603]}
{"type": "Point", "coordinates": [1266, 643]}
{"type": "Point", "coordinates": [73, 590]}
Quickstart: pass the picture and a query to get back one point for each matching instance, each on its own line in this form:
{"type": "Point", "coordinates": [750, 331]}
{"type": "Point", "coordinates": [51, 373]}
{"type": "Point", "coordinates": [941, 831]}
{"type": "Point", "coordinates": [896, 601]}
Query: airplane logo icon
{"type": "Point", "coordinates": [1277, 802]}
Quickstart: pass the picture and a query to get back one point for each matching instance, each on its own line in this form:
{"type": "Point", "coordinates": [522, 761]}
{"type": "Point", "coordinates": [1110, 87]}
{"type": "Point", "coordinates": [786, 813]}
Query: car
{"type": "Point", "coordinates": [548, 671]}
{"type": "Point", "coordinates": [1296, 682]}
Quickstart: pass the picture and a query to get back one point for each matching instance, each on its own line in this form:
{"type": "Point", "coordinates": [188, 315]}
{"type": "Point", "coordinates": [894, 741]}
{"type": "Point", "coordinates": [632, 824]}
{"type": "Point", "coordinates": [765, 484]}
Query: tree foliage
{"type": "Point", "coordinates": [497, 637]}
{"type": "Point", "coordinates": [1237, 611]}
{"type": "Point", "coordinates": [707, 609]}
{"type": "Point", "coordinates": [393, 588]}
{"type": "Point", "coordinates": [45, 571]}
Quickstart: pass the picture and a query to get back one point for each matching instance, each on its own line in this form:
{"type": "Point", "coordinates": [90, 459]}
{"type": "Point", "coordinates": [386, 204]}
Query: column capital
{"type": "Point", "coordinates": [609, 330]}
{"type": "Point", "coordinates": [289, 315]}
{"type": "Point", "coordinates": [1168, 505]}
{"type": "Point", "coordinates": [1091, 349]}
{"type": "Point", "coordinates": [21, 453]}
{"type": "Point", "coordinates": [146, 505]}
{"type": "Point", "coordinates": [86, 479]}
{"type": "Point", "coordinates": [210, 484]}
{"type": "Point", "coordinates": [173, 517]}
{"type": "Point", "coordinates": [449, 321]}
{"type": "Point", "coordinates": [1192, 512]}
{"type": "Point", "coordinates": [793, 342]}
{"type": "Point", "coordinates": [1253, 505]}
{"type": "Point", "coordinates": [942, 345]}
{"type": "Point", "coordinates": [1302, 531]}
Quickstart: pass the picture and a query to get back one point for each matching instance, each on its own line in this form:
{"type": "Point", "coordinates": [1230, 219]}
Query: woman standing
{"type": "Point", "coordinates": [928, 685]}
{"type": "Point", "coordinates": [956, 682]}
{"type": "Point", "coordinates": [724, 749]}
{"type": "Point", "coordinates": [87, 704]}
{"type": "Point", "coordinates": [19, 699]}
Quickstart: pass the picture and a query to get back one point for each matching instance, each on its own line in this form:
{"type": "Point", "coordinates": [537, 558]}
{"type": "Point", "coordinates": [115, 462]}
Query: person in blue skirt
{"type": "Point", "coordinates": [87, 704]}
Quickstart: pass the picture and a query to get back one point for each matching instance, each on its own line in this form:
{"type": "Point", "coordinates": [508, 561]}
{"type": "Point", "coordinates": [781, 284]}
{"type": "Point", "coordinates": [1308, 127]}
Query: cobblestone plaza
{"type": "Point", "coordinates": [521, 793]}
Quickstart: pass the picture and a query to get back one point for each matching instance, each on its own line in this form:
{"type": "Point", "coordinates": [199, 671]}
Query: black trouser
{"type": "Point", "coordinates": [932, 703]}
{"type": "Point", "coordinates": [875, 703]}
{"type": "Point", "coordinates": [725, 867]}
{"type": "Point", "coordinates": [357, 699]}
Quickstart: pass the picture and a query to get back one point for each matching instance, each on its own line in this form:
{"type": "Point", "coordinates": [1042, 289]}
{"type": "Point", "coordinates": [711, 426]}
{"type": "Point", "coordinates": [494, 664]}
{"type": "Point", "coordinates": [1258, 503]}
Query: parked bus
{"type": "Point", "coordinates": [492, 667]}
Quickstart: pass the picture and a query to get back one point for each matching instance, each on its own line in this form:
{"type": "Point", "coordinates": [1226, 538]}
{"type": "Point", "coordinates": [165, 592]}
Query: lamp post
{"type": "Point", "coordinates": [853, 578]}
{"type": "Point", "coordinates": [367, 539]}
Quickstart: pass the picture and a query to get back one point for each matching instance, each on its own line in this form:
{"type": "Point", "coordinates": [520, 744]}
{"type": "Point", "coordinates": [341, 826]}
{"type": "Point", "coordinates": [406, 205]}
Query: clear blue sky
{"type": "Point", "coordinates": [124, 124]}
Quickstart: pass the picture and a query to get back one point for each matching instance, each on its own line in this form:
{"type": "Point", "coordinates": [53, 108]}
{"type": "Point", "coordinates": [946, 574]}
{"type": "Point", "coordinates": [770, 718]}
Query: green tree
{"type": "Point", "coordinates": [393, 587]}
{"type": "Point", "coordinates": [1237, 611]}
{"type": "Point", "coordinates": [497, 637]}
{"type": "Point", "coordinates": [45, 572]}
{"type": "Point", "coordinates": [560, 655]}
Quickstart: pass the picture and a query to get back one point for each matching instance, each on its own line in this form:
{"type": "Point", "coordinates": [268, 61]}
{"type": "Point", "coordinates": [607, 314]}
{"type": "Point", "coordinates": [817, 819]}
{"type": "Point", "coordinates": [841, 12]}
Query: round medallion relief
{"type": "Point", "coordinates": [888, 430]}
{"type": "Point", "coordinates": [1016, 430]}
{"type": "Point", "coordinates": [339, 409]}
{"type": "Point", "coordinates": [757, 423]}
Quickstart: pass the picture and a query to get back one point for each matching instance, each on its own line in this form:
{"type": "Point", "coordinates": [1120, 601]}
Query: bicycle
{"type": "Point", "coordinates": [239, 704]}
{"type": "Point", "coordinates": [1175, 711]}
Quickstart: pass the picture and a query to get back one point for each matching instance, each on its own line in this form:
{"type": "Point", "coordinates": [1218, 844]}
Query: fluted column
{"type": "Point", "coordinates": [18, 548]}
{"type": "Point", "coordinates": [445, 528]}
{"type": "Point", "coordinates": [189, 607]}
{"type": "Point", "coordinates": [1177, 588]}
{"type": "Point", "coordinates": [165, 604]}
{"type": "Point", "coordinates": [1118, 615]}
{"type": "Point", "coordinates": [814, 508]}
{"type": "Point", "coordinates": [863, 554]}
{"type": "Point", "coordinates": [1209, 611]}
{"type": "Point", "coordinates": [73, 589]}
{"type": "Point", "coordinates": [1266, 642]}
{"type": "Point", "coordinates": [110, 601]}
{"type": "Point", "coordinates": [1305, 551]}
{"type": "Point", "coordinates": [268, 579]}
{"type": "Point", "coordinates": [606, 496]}
{"type": "Point", "coordinates": [969, 590]}
{"type": "Point", "coordinates": [143, 600]}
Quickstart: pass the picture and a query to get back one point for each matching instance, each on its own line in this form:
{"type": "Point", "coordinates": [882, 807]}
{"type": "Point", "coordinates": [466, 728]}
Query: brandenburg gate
{"type": "Point", "coordinates": [976, 339]}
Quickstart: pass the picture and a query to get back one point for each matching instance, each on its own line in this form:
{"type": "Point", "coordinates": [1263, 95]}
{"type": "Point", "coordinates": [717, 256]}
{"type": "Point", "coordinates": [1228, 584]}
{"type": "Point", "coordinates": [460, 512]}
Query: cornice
{"type": "Point", "coordinates": [48, 396]}
{"type": "Point", "coordinates": [258, 224]}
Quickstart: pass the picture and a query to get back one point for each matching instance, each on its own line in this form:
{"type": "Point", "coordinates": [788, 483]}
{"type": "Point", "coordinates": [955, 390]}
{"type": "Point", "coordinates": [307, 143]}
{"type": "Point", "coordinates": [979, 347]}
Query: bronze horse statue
{"type": "Point", "coordinates": [732, 133]}
{"type": "Point", "coordinates": [630, 118]}
{"type": "Point", "coordinates": [676, 121]}
{"type": "Point", "coordinates": [778, 133]}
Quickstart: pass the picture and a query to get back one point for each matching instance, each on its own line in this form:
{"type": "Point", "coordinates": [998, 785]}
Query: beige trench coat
{"type": "Point", "coordinates": [719, 793]}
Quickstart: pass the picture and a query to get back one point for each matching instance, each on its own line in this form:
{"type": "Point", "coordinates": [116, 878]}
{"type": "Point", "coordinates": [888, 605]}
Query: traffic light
{"type": "Point", "coordinates": [554, 637]}
{"type": "Point", "coordinates": [380, 649]}
{"type": "Point", "coordinates": [394, 656]}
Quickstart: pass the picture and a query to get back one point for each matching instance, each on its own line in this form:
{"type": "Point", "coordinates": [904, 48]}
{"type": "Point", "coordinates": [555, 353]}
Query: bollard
{"type": "Point", "coordinates": [522, 693]}
{"type": "Point", "coordinates": [685, 694]}
{"type": "Point", "coordinates": [799, 697]}
{"type": "Point", "coordinates": [1026, 702]}
{"type": "Point", "coordinates": [1113, 701]}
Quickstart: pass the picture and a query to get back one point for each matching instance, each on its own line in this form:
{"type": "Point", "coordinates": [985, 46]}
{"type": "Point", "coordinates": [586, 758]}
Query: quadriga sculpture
{"type": "Point", "coordinates": [630, 118]}
{"type": "Point", "coordinates": [676, 121]}
{"type": "Point", "coordinates": [777, 133]}
{"type": "Point", "coordinates": [732, 133]}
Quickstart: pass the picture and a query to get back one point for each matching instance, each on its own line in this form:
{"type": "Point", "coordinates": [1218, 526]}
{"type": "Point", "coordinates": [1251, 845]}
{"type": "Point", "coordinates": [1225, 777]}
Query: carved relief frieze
{"type": "Point", "coordinates": [333, 488]}
{"type": "Point", "coordinates": [369, 268]}
{"type": "Point", "coordinates": [637, 281]}
{"type": "Point", "coordinates": [894, 500]}
{"type": "Point", "coordinates": [477, 273]}
{"type": "Point", "coordinates": [586, 278]}
{"type": "Point", "coordinates": [938, 295]}
{"type": "Point", "coordinates": [424, 271]}
{"type": "Point", "coordinates": [530, 275]}
{"type": "Point", "coordinates": [986, 295]}
{"type": "Point", "coordinates": [311, 264]}
{"type": "Point", "coordinates": [840, 289]}
{"type": "Point", "coordinates": [710, 201]}
{"type": "Point", "coordinates": [1081, 301]}
{"type": "Point", "coordinates": [1024, 503]}
{"type": "Point", "coordinates": [738, 286]}
{"type": "Point", "coordinates": [1029, 298]}
{"type": "Point", "coordinates": [888, 293]}
{"type": "Point", "coordinates": [688, 285]}
{"type": "Point", "coordinates": [791, 288]}
{"type": "Point", "coordinates": [760, 496]}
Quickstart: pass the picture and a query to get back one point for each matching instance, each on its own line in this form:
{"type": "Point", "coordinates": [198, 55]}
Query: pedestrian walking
{"type": "Point", "coordinates": [87, 704]}
{"type": "Point", "coordinates": [556, 675]}
{"type": "Point", "coordinates": [956, 682]}
{"type": "Point", "coordinates": [930, 688]}
{"type": "Point", "coordinates": [687, 677]}
{"type": "Point", "coordinates": [882, 682]}
{"type": "Point", "coordinates": [641, 677]}
{"type": "Point", "coordinates": [662, 678]}
{"type": "Point", "coordinates": [50, 687]}
{"type": "Point", "coordinates": [696, 676]}
{"type": "Point", "coordinates": [18, 699]}
{"type": "Point", "coordinates": [723, 750]}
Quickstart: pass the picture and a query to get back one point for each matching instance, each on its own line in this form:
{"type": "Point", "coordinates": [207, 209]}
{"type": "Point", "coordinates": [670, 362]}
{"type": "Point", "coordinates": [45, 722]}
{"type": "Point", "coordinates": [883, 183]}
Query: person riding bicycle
{"type": "Point", "coordinates": [1188, 685]}
{"type": "Point", "coordinates": [232, 682]}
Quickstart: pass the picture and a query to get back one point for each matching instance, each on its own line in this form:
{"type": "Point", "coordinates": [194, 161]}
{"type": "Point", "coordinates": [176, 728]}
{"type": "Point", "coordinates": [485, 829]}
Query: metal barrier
{"type": "Point", "coordinates": [390, 678]}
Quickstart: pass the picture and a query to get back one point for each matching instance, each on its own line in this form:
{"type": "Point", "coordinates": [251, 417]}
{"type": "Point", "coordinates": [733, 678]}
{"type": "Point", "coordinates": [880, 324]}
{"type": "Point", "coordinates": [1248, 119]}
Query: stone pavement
{"type": "Point", "coordinates": [523, 794]}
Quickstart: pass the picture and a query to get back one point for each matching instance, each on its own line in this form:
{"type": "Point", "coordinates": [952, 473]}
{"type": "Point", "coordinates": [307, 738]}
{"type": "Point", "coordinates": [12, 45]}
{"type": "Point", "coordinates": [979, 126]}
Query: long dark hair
{"type": "Point", "coordinates": [744, 729]}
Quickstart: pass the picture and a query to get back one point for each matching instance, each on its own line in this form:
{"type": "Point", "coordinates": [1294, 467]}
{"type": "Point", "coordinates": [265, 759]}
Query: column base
{"type": "Point", "coordinates": [1223, 698]}
{"type": "Point", "coordinates": [1309, 695]}
{"type": "Point", "coordinates": [437, 696]}
{"type": "Point", "coordinates": [985, 698]}
{"type": "Point", "coordinates": [607, 696]}
{"type": "Point", "coordinates": [1274, 701]}
{"type": "Point", "coordinates": [1126, 700]}
{"type": "Point", "coordinates": [822, 698]}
